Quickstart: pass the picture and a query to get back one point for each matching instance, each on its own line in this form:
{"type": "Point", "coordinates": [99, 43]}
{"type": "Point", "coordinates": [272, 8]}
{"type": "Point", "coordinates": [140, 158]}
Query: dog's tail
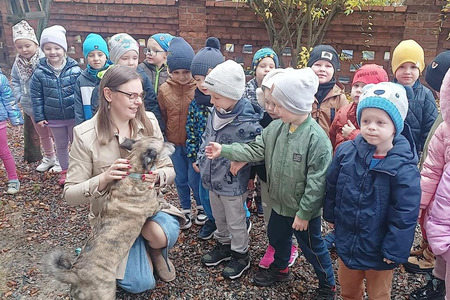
{"type": "Point", "coordinates": [58, 265]}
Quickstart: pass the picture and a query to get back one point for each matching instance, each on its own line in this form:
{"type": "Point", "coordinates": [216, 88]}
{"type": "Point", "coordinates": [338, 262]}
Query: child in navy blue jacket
{"type": "Point", "coordinates": [373, 194]}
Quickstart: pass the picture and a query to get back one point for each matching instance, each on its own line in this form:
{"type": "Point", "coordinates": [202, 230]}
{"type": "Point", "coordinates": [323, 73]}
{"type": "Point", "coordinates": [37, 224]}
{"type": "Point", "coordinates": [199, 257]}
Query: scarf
{"type": "Point", "coordinates": [324, 89]}
{"type": "Point", "coordinates": [26, 67]}
{"type": "Point", "coordinates": [221, 119]}
{"type": "Point", "coordinates": [94, 72]}
{"type": "Point", "coordinates": [202, 99]}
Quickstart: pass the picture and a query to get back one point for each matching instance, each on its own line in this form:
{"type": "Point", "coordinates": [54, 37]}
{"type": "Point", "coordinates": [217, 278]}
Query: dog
{"type": "Point", "coordinates": [93, 275]}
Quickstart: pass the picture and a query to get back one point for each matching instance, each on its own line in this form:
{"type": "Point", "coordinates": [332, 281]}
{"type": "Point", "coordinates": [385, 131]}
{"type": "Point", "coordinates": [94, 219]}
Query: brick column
{"type": "Point", "coordinates": [192, 22]}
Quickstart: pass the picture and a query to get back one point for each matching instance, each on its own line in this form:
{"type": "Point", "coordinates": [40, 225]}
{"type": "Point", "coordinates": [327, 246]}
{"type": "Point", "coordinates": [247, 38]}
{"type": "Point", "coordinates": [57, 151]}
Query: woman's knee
{"type": "Point", "coordinates": [154, 234]}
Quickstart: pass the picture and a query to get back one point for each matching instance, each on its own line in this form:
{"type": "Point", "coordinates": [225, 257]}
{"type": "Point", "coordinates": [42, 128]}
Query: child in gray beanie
{"type": "Point", "coordinates": [297, 153]}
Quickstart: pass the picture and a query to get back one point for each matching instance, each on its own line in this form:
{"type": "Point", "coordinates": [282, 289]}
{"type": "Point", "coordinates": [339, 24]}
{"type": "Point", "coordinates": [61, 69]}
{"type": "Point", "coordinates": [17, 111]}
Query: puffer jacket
{"type": "Point", "coordinates": [86, 103]}
{"type": "Point", "coordinates": [422, 112]}
{"type": "Point", "coordinates": [8, 105]}
{"type": "Point", "coordinates": [438, 224]}
{"type": "Point", "coordinates": [374, 210]}
{"type": "Point", "coordinates": [174, 100]}
{"type": "Point", "coordinates": [157, 76]}
{"type": "Point", "coordinates": [325, 112]}
{"type": "Point", "coordinates": [346, 113]}
{"type": "Point", "coordinates": [215, 173]}
{"type": "Point", "coordinates": [296, 165]}
{"type": "Point", "coordinates": [53, 97]}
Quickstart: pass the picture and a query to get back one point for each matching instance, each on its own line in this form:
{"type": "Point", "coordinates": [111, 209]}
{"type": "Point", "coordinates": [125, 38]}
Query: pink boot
{"type": "Point", "coordinates": [294, 255]}
{"type": "Point", "coordinates": [62, 178]}
{"type": "Point", "coordinates": [267, 259]}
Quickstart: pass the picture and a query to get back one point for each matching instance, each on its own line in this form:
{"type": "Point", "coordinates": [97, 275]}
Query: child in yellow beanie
{"type": "Point", "coordinates": [407, 65]}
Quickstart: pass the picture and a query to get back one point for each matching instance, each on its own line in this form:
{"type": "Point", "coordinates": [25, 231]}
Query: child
{"type": "Point", "coordinates": [96, 54]}
{"type": "Point", "coordinates": [174, 98]}
{"type": "Point", "coordinates": [407, 64]}
{"type": "Point", "coordinates": [124, 50]}
{"type": "Point", "coordinates": [372, 196]}
{"type": "Point", "coordinates": [330, 96]}
{"type": "Point", "coordinates": [155, 63]}
{"type": "Point", "coordinates": [436, 163]}
{"type": "Point", "coordinates": [27, 59]}
{"type": "Point", "coordinates": [52, 92]}
{"type": "Point", "coordinates": [344, 126]}
{"type": "Point", "coordinates": [8, 110]}
{"type": "Point", "coordinates": [203, 62]}
{"type": "Point", "coordinates": [297, 153]}
{"type": "Point", "coordinates": [233, 119]}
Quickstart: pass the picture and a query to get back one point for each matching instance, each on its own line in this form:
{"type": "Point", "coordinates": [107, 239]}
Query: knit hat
{"type": "Point", "coordinates": [23, 30]}
{"type": "Point", "coordinates": [295, 90]}
{"type": "Point", "coordinates": [388, 96]}
{"type": "Point", "coordinates": [436, 70]}
{"type": "Point", "coordinates": [263, 53]}
{"type": "Point", "coordinates": [180, 55]}
{"type": "Point", "coordinates": [324, 52]}
{"type": "Point", "coordinates": [408, 51]}
{"type": "Point", "coordinates": [270, 79]}
{"type": "Point", "coordinates": [207, 57]}
{"type": "Point", "coordinates": [55, 34]}
{"type": "Point", "coordinates": [94, 42]}
{"type": "Point", "coordinates": [227, 79]}
{"type": "Point", "coordinates": [163, 39]}
{"type": "Point", "coordinates": [120, 43]}
{"type": "Point", "coordinates": [370, 73]}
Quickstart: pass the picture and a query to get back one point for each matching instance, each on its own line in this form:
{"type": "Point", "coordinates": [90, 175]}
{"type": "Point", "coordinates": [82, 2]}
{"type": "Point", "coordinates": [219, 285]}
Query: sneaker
{"type": "Point", "coordinates": [57, 167]}
{"type": "Point", "coordinates": [329, 240]}
{"type": "Point", "coordinates": [238, 264]}
{"type": "Point", "coordinates": [201, 216]}
{"type": "Point", "coordinates": [219, 254]}
{"type": "Point", "coordinates": [268, 258]}
{"type": "Point", "coordinates": [249, 225]}
{"type": "Point", "coordinates": [259, 207]}
{"type": "Point", "coordinates": [326, 293]}
{"type": "Point", "coordinates": [62, 178]}
{"type": "Point", "coordinates": [433, 290]}
{"type": "Point", "coordinates": [294, 255]}
{"type": "Point", "coordinates": [188, 219]}
{"type": "Point", "coordinates": [271, 275]}
{"type": "Point", "coordinates": [207, 231]}
{"type": "Point", "coordinates": [13, 187]}
{"type": "Point", "coordinates": [46, 163]}
{"type": "Point", "coordinates": [423, 263]}
{"type": "Point", "coordinates": [418, 249]}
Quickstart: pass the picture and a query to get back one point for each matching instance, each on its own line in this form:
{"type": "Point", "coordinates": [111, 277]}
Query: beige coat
{"type": "Point", "coordinates": [88, 159]}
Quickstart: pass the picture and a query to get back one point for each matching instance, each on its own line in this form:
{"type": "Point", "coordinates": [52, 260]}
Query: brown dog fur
{"type": "Point", "coordinates": [93, 275]}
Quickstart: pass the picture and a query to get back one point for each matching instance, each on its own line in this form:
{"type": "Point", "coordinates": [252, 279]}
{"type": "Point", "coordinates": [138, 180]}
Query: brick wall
{"type": "Point", "coordinates": [234, 23]}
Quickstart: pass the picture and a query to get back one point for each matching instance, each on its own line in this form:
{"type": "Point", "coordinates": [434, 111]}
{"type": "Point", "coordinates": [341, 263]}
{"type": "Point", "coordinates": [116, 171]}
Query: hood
{"type": "Point", "coordinates": [250, 111]}
{"type": "Point", "coordinates": [445, 98]}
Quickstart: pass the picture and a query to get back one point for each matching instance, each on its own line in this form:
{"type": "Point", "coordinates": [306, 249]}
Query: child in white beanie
{"type": "Point", "coordinates": [297, 153]}
{"type": "Point", "coordinates": [233, 119]}
{"type": "Point", "coordinates": [27, 60]}
{"type": "Point", "coordinates": [52, 92]}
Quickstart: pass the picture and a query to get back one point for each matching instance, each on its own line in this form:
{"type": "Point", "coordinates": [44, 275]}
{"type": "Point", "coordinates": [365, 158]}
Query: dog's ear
{"type": "Point", "coordinates": [128, 144]}
{"type": "Point", "coordinates": [167, 150]}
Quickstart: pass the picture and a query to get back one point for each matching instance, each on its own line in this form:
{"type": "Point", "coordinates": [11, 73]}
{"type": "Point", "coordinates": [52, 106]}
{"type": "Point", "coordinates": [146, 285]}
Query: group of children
{"type": "Point", "coordinates": [293, 130]}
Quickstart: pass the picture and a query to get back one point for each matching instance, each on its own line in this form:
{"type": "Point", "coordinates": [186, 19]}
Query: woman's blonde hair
{"type": "Point", "coordinates": [114, 77]}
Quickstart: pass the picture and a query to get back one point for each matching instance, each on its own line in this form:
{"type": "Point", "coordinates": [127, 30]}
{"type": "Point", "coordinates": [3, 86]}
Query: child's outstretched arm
{"type": "Point", "coordinates": [213, 150]}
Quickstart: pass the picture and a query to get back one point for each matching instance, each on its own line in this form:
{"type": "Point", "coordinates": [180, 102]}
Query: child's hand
{"type": "Point", "coordinates": [388, 261]}
{"type": "Point", "coordinates": [236, 166]}
{"type": "Point", "coordinates": [331, 225]}
{"type": "Point", "coordinates": [348, 128]}
{"type": "Point", "coordinates": [300, 224]}
{"type": "Point", "coordinates": [251, 184]}
{"type": "Point", "coordinates": [42, 123]}
{"type": "Point", "coordinates": [195, 167]}
{"type": "Point", "coordinates": [213, 150]}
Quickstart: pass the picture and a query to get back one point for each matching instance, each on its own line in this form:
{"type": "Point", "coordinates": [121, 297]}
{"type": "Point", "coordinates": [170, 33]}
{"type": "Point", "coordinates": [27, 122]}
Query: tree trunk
{"type": "Point", "coordinates": [32, 145]}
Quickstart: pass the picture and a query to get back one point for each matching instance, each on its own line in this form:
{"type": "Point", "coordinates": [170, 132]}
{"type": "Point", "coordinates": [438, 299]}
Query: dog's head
{"type": "Point", "coordinates": [145, 151]}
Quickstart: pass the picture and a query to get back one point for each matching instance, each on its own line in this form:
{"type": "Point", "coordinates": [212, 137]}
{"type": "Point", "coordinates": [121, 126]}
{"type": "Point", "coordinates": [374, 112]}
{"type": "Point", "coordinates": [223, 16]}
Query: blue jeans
{"type": "Point", "coordinates": [204, 195]}
{"type": "Point", "coordinates": [310, 242]}
{"type": "Point", "coordinates": [186, 178]}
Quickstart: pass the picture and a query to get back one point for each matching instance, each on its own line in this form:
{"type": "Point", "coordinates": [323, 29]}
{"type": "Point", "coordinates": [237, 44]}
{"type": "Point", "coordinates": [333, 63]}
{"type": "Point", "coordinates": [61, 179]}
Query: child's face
{"type": "Point", "coordinates": [26, 48]}
{"type": "Point", "coordinates": [265, 66]}
{"type": "Point", "coordinates": [129, 59]}
{"type": "Point", "coordinates": [54, 54]}
{"type": "Point", "coordinates": [222, 103]}
{"type": "Point", "coordinates": [96, 59]}
{"type": "Point", "coordinates": [269, 105]}
{"type": "Point", "coordinates": [155, 54]}
{"type": "Point", "coordinates": [324, 70]}
{"type": "Point", "coordinates": [181, 76]}
{"type": "Point", "coordinates": [377, 128]}
{"type": "Point", "coordinates": [356, 91]}
{"type": "Point", "coordinates": [287, 116]}
{"type": "Point", "coordinates": [407, 73]}
{"type": "Point", "coordinates": [199, 81]}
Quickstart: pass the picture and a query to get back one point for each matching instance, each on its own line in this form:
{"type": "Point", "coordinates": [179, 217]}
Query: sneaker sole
{"type": "Point", "coordinates": [265, 284]}
{"type": "Point", "coordinates": [205, 238]}
{"type": "Point", "coordinates": [212, 264]}
{"type": "Point", "coordinates": [237, 275]}
{"type": "Point", "coordinates": [200, 223]}
{"type": "Point", "coordinates": [185, 227]}
{"type": "Point", "coordinates": [263, 266]}
{"type": "Point", "coordinates": [293, 259]}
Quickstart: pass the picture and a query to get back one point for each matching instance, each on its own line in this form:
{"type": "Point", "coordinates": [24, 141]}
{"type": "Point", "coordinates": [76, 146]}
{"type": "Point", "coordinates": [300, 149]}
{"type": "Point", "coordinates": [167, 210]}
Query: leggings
{"type": "Point", "coordinates": [45, 137]}
{"type": "Point", "coordinates": [5, 154]}
{"type": "Point", "coordinates": [63, 136]}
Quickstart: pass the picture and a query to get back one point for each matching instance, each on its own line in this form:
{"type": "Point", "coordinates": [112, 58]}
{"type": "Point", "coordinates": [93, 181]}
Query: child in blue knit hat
{"type": "Point", "coordinates": [155, 63]}
{"type": "Point", "coordinates": [96, 53]}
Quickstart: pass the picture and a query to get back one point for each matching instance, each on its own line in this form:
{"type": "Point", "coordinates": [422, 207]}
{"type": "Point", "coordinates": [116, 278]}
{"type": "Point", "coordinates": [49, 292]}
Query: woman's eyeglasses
{"type": "Point", "coordinates": [132, 96]}
{"type": "Point", "coordinates": [151, 52]}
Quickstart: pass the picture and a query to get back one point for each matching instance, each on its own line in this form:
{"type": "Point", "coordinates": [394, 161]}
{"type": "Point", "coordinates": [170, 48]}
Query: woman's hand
{"type": "Point", "coordinates": [300, 224]}
{"type": "Point", "coordinates": [42, 123]}
{"type": "Point", "coordinates": [118, 170]}
{"type": "Point", "coordinates": [236, 166]}
{"type": "Point", "coordinates": [213, 150]}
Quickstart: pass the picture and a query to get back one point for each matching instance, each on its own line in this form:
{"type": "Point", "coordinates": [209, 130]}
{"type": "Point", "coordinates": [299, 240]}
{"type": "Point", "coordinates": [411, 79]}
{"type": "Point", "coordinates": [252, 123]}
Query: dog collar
{"type": "Point", "coordinates": [135, 175]}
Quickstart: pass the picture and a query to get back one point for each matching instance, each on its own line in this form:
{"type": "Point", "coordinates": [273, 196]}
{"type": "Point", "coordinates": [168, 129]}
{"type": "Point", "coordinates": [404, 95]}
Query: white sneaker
{"type": "Point", "coordinates": [46, 163]}
{"type": "Point", "coordinates": [57, 167]}
{"type": "Point", "coordinates": [188, 219]}
{"type": "Point", "coordinates": [201, 216]}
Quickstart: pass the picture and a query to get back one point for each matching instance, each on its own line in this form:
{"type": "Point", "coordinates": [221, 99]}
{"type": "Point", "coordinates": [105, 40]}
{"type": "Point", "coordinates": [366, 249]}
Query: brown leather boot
{"type": "Point", "coordinates": [165, 271]}
{"type": "Point", "coordinates": [423, 263]}
{"type": "Point", "coordinates": [418, 249]}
